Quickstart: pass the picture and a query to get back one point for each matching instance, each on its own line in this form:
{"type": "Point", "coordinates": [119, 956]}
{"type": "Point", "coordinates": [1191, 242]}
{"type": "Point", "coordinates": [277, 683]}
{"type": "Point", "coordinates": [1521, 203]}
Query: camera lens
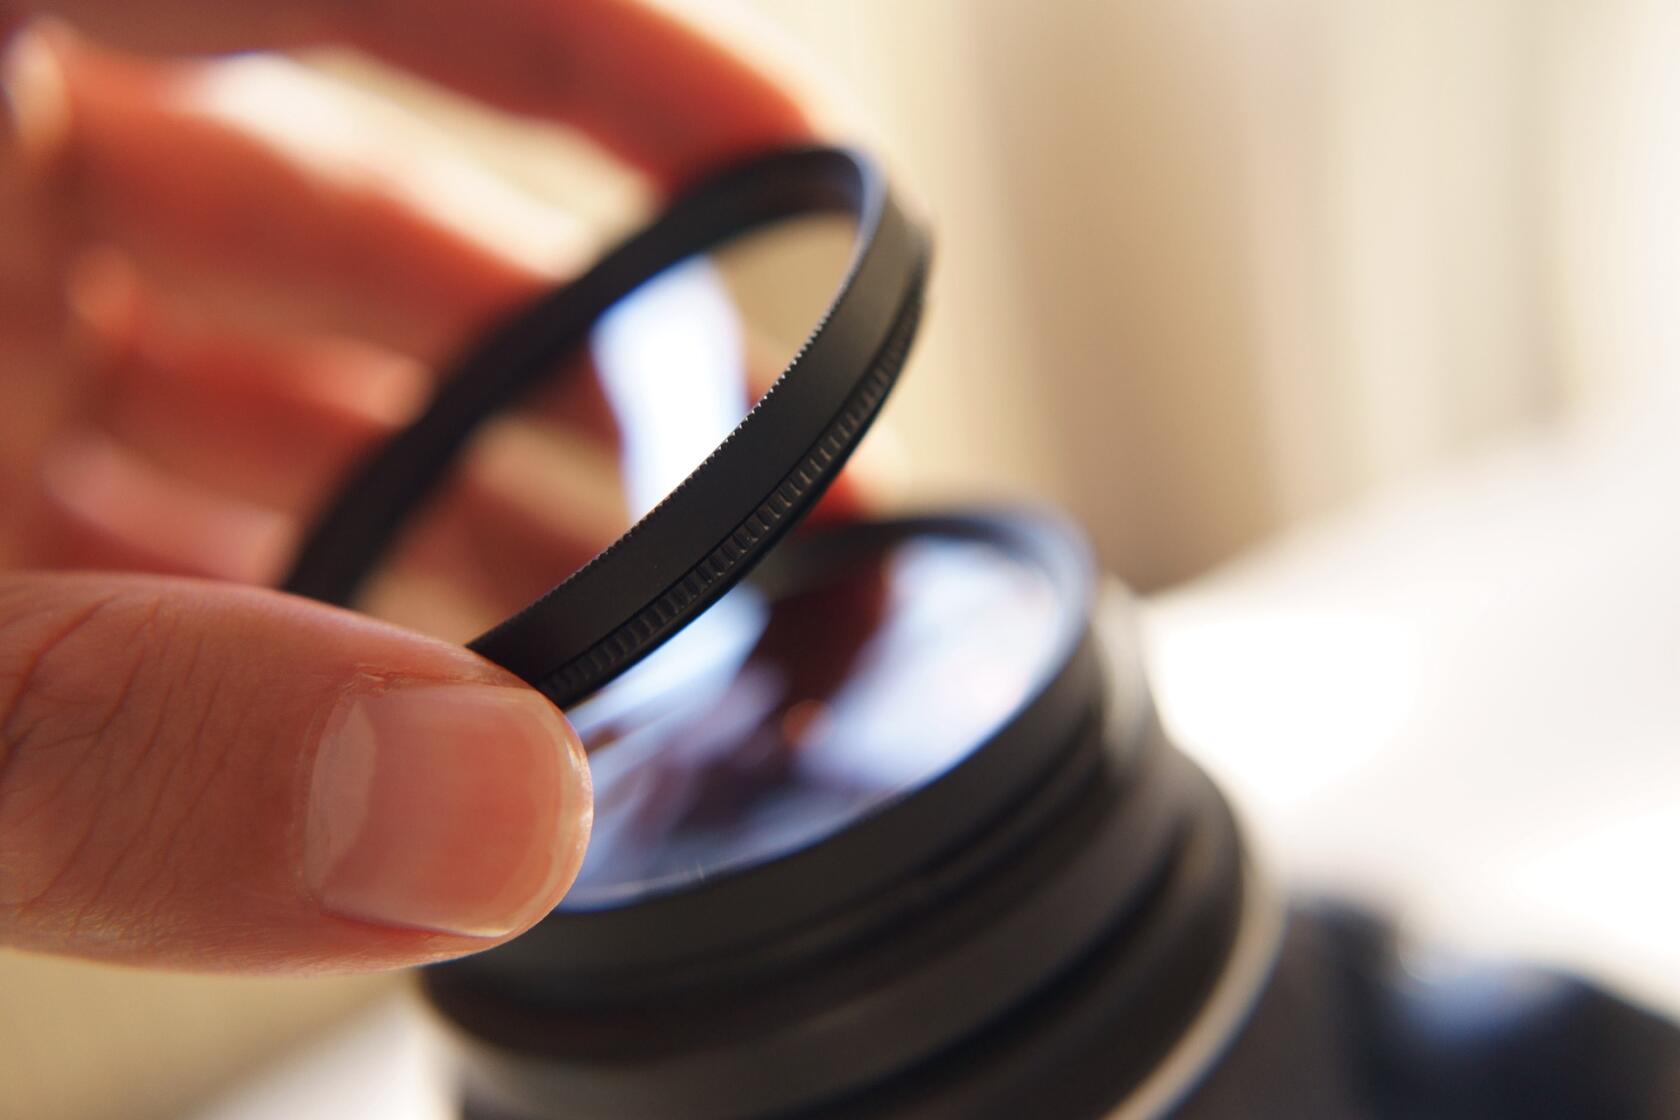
{"type": "Point", "coordinates": [787, 714]}
{"type": "Point", "coordinates": [880, 835]}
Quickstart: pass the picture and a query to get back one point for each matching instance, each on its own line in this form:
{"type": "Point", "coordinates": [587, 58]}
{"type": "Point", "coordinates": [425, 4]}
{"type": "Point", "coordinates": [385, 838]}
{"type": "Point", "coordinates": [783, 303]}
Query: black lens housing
{"type": "Point", "coordinates": [1072, 866]}
{"type": "Point", "coordinates": [1029, 931]}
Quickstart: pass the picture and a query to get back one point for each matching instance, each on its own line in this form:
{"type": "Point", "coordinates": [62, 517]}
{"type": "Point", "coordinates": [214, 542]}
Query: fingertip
{"type": "Point", "coordinates": [460, 809]}
{"type": "Point", "coordinates": [302, 790]}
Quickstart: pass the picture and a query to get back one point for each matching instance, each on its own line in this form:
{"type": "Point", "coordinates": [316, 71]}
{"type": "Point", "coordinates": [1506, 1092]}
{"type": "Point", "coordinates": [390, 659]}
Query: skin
{"type": "Point", "coordinates": [197, 334]}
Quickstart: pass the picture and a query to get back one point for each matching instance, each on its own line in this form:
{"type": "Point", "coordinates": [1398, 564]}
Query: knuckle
{"type": "Point", "coordinates": [77, 722]}
{"type": "Point", "coordinates": [59, 655]}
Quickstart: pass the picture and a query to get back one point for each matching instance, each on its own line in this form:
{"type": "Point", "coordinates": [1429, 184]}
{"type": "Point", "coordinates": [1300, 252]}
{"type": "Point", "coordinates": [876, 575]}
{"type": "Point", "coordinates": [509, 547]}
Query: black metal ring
{"type": "Point", "coordinates": [713, 528]}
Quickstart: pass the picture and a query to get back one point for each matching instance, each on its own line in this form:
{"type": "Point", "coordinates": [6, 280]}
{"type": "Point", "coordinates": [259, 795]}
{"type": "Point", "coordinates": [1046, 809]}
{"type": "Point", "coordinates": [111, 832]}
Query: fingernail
{"type": "Point", "coordinates": [457, 808]}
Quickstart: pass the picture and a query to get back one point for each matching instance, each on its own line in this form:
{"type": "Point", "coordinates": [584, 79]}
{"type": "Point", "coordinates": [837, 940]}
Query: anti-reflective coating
{"type": "Point", "coordinates": [877, 696]}
{"type": "Point", "coordinates": [718, 523]}
{"type": "Point", "coordinates": [785, 714]}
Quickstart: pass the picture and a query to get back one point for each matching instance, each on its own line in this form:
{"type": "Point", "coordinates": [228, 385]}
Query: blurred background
{"type": "Point", "coordinates": [1210, 268]}
{"type": "Point", "coordinates": [1347, 281]}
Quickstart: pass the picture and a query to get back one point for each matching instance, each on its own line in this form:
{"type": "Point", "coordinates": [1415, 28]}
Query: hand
{"type": "Point", "coordinates": [197, 333]}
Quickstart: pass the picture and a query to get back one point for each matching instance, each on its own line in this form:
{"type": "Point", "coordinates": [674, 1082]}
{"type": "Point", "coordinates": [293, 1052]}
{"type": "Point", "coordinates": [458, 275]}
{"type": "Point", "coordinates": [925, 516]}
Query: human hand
{"type": "Point", "coordinates": [197, 334]}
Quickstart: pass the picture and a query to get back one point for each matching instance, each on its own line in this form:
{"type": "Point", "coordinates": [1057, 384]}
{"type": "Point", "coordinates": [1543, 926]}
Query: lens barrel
{"type": "Point", "coordinates": [1030, 932]}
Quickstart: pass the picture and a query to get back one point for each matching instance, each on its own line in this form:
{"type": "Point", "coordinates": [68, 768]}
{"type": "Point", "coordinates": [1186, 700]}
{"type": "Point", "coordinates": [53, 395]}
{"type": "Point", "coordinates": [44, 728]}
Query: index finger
{"type": "Point", "coordinates": [652, 88]}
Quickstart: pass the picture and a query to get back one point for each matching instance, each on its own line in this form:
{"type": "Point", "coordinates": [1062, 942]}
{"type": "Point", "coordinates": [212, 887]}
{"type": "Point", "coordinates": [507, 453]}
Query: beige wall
{"type": "Point", "coordinates": [1213, 266]}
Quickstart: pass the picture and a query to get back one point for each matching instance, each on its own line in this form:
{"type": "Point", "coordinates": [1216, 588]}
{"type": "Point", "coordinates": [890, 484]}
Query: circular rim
{"type": "Point", "coordinates": [717, 524]}
{"type": "Point", "coordinates": [618, 948]}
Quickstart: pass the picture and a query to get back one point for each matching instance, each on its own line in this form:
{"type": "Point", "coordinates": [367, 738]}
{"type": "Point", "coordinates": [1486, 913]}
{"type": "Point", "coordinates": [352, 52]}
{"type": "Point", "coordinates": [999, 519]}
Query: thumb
{"type": "Point", "coordinates": [207, 776]}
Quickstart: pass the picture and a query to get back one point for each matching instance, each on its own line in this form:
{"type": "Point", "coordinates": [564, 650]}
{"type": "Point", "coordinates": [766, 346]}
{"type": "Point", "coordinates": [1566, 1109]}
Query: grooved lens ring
{"type": "Point", "coordinates": [724, 517]}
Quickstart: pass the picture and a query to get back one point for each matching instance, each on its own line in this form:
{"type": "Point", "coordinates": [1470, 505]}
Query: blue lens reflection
{"type": "Point", "coordinates": [771, 724]}
{"type": "Point", "coordinates": [671, 359]}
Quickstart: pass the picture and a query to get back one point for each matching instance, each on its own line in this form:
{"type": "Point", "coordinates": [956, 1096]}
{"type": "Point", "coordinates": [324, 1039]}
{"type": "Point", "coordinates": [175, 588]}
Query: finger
{"type": "Point", "coordinates": [648, 86]}
{"type": "Point", "coordinates": [33, 115]}
{"type": "Point", "coordinates": [215, 448]}
{"type": "Point", "coordinates": [243, 228]}
{"type": "Point", "coordinates": [104, 507]}
{"type": "Point", "coordinates": [510, 527]}
{"type": "Point", "coordinates": [233, 428]}
{"type": "Point", "coordinates": [35, 384]}
{"type": "Point", "coordinates": [274, 420]}
{"type": "Point", "coordinates": [277, 420]}
{"type": "Point", "coordinates": [202, 416]}
{"type": "Point", "coordinates": [208, 777]}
